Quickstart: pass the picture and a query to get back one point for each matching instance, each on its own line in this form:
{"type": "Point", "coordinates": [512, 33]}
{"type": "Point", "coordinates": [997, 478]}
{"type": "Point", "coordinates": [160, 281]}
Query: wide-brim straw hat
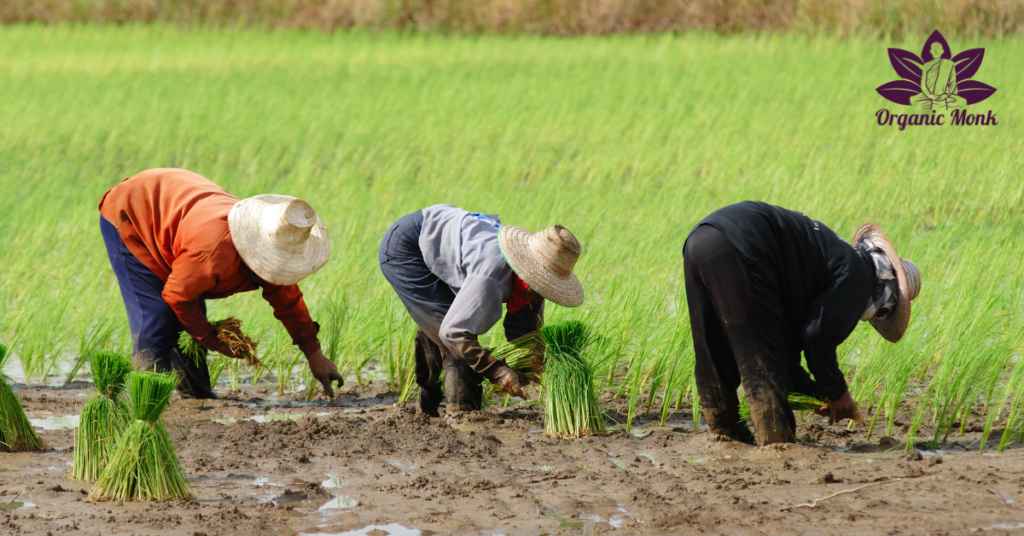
{"type": "Point", "coordinates": [908, 278]}
{"type": "Point", "coordinates": [544, 260]}
{"type": "Point", "coordinates": [279, 237]}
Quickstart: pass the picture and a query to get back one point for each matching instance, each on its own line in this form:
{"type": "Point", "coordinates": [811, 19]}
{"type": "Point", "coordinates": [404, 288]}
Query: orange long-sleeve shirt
{"type": "Point", "coordinates": [176, 223]}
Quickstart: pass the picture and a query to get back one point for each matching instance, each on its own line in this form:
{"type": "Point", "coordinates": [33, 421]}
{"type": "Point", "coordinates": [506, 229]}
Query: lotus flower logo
{"type": "Point", "coordinates": [936, 81]}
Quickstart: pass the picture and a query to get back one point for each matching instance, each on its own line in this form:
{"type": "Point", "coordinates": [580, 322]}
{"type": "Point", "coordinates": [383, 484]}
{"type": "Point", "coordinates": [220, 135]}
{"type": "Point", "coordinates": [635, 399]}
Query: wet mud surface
{"type": "Point", "coordinates": [360, 465]}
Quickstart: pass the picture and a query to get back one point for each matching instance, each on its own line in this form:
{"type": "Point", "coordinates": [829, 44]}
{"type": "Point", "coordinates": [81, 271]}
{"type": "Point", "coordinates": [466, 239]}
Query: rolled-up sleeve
{"type": "Point", "coordinates": [290, 308]}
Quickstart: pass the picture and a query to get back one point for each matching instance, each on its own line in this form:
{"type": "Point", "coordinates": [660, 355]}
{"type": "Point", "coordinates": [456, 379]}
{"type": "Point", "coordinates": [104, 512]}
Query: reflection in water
{"type": "Point", "coordinates": [10, 506]}
{"type": "Point", "coordinates": [390, 529]}
{"type": "Point", "coordinates": [341, 502]}
{"type": "Point", "coordinates": [55, 422]}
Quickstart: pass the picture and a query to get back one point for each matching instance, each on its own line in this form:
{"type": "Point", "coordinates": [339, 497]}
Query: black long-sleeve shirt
{"type": "Point", "coordinates": [822, 283]}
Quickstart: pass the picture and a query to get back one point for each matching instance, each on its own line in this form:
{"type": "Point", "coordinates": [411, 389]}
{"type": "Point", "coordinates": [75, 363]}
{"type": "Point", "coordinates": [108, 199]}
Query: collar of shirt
{"type": "Point", "coordinates": [520, 296]}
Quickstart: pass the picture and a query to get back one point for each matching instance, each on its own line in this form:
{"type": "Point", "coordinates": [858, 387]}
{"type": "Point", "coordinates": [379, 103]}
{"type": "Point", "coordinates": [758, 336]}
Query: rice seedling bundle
{"type": "Point", "coordinates": [143, 465]}
{"type": "Point", "coordinates": [797, 402]}
{"type": "Point", "coordinates": [229, 332]}
{"type": "Point", "coordinates": [104, 416]}
{"type": "Point", "coordinates": [525, 355]}
{"type": "Point", "coordinates": [16, 433]}
{"type": "Point", "coordinates": [571, 407]}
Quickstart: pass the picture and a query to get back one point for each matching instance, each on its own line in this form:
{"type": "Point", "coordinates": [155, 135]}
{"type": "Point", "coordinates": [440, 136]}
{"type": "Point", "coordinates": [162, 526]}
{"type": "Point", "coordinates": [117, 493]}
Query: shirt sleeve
{"type": "Point", "coordinates": [183, 292]}
{"type": "Point", "coordinates": [832, 318]}
{"type": "Point", "coordinates": [290, 308]}
{"type": "Point", "coordinates": [476, 308]}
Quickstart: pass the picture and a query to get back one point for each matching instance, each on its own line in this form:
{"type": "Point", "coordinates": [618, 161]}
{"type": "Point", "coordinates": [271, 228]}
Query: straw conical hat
{"type": "Point", "coordinates": [908, 278]}
{"type": "Point", "coordinates": [545, 260]}
{"type": "Point", "coordinates": [279, 237]}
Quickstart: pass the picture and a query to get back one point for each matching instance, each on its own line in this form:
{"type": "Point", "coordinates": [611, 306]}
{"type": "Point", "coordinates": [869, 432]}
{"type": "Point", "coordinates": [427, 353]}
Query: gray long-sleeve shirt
{"type": "Point", "coordinates": [461, 248]}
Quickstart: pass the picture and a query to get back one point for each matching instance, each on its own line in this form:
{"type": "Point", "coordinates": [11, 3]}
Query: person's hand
{"type": "Point", "coordinates": [842, 408]}
{"type": "Point", "coordinates": [216, 345]}
{"type": "Point", "coordinates": [506, 380]}
{"type": "Point", "coordinates": [325, 372]}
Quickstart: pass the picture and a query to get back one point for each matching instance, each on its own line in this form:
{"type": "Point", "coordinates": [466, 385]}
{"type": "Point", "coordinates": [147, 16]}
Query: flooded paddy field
{"type": "Point", "coordinates": [259, 464]}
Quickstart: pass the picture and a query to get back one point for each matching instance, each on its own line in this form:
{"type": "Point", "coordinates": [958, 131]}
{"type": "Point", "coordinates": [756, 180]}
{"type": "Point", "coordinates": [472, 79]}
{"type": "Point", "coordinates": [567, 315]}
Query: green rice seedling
{"type": "Point", "coordinates": [332, 330]}
{"type": "Point", "coordinates": [571, 407]}
{"type": "Point", "coordinates": [143, 464]}
{"type": "Point", "coordinates": [525, 355]}
{"type": "Point", "coordinates": [797, 402]}
{"type": "Point", "coordinates": [16, 433]}
{"type": "Point", "coordinates": [965, 235]}
{"type": "Point", "coordinates": [94, 338]}
{"type": "Point", "coordinates": [216, 366]}
{"type": "Point", "coordinates": [103, 417]}
{"type": "Point", "coordinates": [191, 348]}
{"type": "Point", "coordinates": [229, 331]}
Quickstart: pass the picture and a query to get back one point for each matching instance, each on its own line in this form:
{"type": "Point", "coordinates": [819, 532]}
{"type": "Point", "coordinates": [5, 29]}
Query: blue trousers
{"type": "Point", "coordinates": [153, 324]}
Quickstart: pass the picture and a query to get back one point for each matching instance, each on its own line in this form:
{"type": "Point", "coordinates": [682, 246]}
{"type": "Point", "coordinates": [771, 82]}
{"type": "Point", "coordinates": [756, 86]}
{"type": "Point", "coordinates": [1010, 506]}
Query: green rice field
{"type": "Point", "coordinates": [627, 141]}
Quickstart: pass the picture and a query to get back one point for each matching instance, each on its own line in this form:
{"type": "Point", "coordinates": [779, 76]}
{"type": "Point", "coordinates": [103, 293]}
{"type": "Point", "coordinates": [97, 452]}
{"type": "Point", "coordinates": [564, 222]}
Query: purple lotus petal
{"type": "Point", "coordinates": [906, 64]}
{"type": "Point", "coordinates": [926, 51]}
{"type": "Point", "coordinates": [974, 91]}
{"type": "Point", "coordinates": [967, 63]}
{"type": "Point", "coordinates": [899, 91]}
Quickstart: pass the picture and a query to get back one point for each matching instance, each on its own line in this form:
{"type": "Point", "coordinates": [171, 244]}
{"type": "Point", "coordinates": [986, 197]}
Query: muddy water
{"type": "Point", "coordinates": [264, 465]}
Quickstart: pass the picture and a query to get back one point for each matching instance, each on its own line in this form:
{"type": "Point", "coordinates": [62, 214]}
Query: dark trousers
{"type": "Point", "coordinates": [737, 338]}
{"type": "Point", "coordinates": [427, 298]}
{"type": "Point", "coordinates": [154, 326]}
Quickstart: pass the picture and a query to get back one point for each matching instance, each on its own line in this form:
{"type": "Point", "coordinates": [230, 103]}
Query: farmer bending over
{"type": "Point", "coordinates": [763, 284]}
{"type": "Point", "coordinates": [453, 270]}
{"type": "Point", "coordinates": [175, 239]}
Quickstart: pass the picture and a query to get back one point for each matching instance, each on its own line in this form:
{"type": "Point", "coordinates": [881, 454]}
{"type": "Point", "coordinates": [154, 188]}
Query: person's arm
{"type": "Point", "coordinates": [290, 308]}
{"type": "Point", "coordinates": [183, 293]}
{"type": "Point", "coordinates": [476, 308]}
{"type": "Point", "coordinates": [831, 319]}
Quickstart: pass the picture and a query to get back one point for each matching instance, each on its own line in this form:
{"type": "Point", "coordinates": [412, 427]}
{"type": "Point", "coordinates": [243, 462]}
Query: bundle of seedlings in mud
{"type": "Point", "coordinates": [16, 433]}
{"type": "Point", "coordinates": [571, 408]}
{"type": "Point", "coordinates": [104, 416]}
{"type": "Point", "coordinates": [143, 465]}
{"type": "Point", "coordinates": [525, 355]}
{"type": "Point", "coordinates": [797, 402]}
{"type": "Point", "coordinates": [229, 332]}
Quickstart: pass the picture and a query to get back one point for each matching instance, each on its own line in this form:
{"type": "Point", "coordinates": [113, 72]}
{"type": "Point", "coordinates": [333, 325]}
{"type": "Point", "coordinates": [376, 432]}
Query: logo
{"type": "Point", "coordinates": [935, 84]}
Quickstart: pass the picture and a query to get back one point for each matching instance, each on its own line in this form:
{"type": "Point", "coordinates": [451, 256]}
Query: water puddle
{"type": "Point", "coordinates": [616, 520]}
{"type": "Point", "coordinates": [389, 529]}
{"type": "Point", "coordinates": [273, 416]}
{"type": "Point", "coordinates": [13, 369]}
{"type": "Point", "coordinates": [332, 482]}
{"type": "Point", "coordinates": [55, 422]}
{"type": "Point", "coordinates": [619, 462]}
{"type": "Point", "coordinates": [648, 455]}
{"type": "Point", "coordinates": [401, 465]}
{"type": "Point", "coordinates": [11, 506]}
{"type": "Point", "coordinates": [640, 433]}
{"type": "Point", "coordinates": [340, 502]}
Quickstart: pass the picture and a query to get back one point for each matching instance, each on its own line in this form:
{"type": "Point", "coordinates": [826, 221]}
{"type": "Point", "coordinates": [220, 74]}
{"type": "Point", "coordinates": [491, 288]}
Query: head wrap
{"type": "Point", "coordinates": [887, 292]}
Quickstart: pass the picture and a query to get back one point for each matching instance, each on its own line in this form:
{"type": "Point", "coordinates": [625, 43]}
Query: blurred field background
{"type": "Point", "coordinates": [627, 140]}
{"type": "Point", "coordinates": [556, 17]}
